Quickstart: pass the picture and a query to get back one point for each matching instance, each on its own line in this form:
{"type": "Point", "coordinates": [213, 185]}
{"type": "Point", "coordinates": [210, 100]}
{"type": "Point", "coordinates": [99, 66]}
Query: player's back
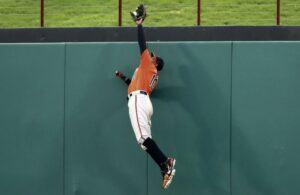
{"type": "Point", "coordinates": [145, 76]}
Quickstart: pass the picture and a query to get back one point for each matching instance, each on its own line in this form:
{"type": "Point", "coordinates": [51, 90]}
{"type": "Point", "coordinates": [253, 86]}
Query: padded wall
{"type": "Point", "coordinates": [266, 118]}
{"type": "Point", "coordinates": [193, 94]}
{"type": "Point", "coordinates": [31, 118]}
{"type": "Point", "coordinates": [228, 111]}
{"type": "Point", "coordinates": [192, 117]}
{"type": "Point", "coordinates": [101, 152]}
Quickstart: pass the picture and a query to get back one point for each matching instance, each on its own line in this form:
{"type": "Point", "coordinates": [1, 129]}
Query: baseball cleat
{"type": "Point", "coordinates": [170, 173]}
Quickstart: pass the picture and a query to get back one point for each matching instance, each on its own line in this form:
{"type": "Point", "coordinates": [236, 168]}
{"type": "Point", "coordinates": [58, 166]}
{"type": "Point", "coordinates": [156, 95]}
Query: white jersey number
{"type": "Point", "coordinates": [154, 81]}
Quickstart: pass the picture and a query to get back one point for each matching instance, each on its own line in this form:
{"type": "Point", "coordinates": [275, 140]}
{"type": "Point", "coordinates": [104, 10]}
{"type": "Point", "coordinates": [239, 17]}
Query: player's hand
{"type": "Point", "coordinates": [140, 21]}
{"type": "Point", "coordinates": [119, 74]}
{"type": "Point", "coordinates": [138, 14]}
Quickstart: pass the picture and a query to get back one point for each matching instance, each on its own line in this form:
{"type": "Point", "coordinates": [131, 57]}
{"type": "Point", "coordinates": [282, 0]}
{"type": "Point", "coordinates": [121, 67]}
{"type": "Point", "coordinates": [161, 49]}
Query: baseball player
{"type": "Point", "coordinates": [144, 80]}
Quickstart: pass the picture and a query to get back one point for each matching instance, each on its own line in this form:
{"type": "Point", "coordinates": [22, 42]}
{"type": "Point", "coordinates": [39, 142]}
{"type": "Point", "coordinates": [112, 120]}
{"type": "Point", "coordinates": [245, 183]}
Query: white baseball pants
{"type": "Point", "coordinates": [140, 112]}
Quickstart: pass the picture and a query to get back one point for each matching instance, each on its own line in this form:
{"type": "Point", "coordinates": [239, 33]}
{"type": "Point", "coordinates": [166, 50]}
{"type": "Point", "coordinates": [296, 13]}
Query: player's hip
{"type": "Point", "coordinates": [140, 102]}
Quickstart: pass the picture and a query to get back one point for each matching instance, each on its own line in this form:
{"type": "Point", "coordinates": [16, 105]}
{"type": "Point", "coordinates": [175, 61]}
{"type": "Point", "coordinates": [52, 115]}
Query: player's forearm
{"type": "Point", "coordinates": [123, 77]}
{"type": "Point", "coordinates": [141, 38]}
{"type": "Point", "coordinates": [127, 81]}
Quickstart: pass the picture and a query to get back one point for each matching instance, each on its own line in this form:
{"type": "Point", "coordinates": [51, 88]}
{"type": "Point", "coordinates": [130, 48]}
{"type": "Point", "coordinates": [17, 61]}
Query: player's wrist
{"type": "Point", "coordinates": [118, 74]}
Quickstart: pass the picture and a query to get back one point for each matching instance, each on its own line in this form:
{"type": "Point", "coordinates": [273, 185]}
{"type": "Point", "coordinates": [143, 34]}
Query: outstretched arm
{"type": "Point", "coordinates": [141, 36]}
{"type": "Point", "coordinates": [123, 77]}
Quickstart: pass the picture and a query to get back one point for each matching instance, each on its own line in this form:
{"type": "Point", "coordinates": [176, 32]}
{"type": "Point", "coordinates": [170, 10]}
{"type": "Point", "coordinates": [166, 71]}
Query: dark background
{"type": "Point", "coordinates": [124, 34]}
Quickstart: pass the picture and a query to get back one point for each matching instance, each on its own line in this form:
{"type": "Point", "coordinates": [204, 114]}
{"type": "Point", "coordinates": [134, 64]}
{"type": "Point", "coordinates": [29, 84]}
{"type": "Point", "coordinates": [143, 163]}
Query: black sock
{"type": "Point", "coordinates": [156, 154]}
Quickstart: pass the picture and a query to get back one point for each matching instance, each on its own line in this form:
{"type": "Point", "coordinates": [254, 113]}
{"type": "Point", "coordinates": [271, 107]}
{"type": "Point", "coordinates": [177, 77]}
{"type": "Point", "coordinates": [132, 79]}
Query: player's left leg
{"type": "Point", "coordinates": [140, 112]}
{"type": "Point", "coordinates": [167, 165]}
{"type": "Point", "coordinates": [157, 155]}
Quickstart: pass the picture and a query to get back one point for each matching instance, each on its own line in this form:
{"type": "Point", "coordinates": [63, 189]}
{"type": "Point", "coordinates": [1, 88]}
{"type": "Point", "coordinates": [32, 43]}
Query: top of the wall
{"type": "Point", "coordinates": [125, 34]}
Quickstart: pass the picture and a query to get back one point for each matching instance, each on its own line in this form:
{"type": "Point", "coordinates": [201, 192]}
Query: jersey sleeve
{"type": "Point", "coordinates": [141, 38]}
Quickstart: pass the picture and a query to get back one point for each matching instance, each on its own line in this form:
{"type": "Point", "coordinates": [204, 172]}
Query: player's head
{"type": "Point", "coordinates": [158, 61]}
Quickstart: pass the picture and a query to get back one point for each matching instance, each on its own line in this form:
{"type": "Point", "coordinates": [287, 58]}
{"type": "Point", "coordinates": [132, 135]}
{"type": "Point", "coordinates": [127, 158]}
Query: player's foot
{"type": "Point", "coordinates": [169, 173]}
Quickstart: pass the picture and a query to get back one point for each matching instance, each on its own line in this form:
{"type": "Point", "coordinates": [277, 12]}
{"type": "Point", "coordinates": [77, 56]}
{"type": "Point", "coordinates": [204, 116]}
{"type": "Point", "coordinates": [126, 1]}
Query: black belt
{"type": "Point", "coordinates": [141, 92]}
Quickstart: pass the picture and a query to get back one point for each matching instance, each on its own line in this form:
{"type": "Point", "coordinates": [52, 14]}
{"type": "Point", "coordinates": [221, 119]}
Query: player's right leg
{"type": "Point", "coordinates": [140, 112]}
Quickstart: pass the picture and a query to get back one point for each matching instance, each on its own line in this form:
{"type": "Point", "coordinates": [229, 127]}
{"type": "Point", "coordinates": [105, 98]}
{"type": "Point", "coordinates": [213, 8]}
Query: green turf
{"type": "Point", "coordinates": [95, 13]}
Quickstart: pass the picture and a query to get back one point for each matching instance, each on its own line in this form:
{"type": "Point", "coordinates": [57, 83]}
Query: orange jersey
{"type": "Point", "coordinates": [145, 76]}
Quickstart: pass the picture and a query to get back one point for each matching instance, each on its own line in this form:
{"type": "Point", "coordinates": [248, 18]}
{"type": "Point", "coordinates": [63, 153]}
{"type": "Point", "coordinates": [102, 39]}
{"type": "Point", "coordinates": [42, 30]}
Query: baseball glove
{"type": "Point", "coordinates": [140, 12]}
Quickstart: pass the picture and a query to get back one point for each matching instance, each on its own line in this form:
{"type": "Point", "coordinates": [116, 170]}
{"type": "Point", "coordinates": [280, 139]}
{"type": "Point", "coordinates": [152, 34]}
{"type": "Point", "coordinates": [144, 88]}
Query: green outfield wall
{"type": "Point", "coordinates": [228, 111]}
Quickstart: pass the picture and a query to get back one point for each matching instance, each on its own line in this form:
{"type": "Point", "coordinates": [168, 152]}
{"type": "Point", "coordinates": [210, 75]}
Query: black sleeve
{"type": "Point", "coordinates": [127, 81]}
{"type": "Point", "coordinates": [141, 38]}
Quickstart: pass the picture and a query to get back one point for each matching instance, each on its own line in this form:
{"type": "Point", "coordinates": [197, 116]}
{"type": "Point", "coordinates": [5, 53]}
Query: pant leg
{"type": "Point", "coordinates": [140, 112]}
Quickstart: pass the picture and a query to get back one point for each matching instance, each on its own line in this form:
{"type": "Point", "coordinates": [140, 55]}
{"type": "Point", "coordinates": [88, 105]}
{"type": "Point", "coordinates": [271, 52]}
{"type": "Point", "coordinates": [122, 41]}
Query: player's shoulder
{"type": "Point", "coordinates": [146, 53]}
{"type": "Point", "coordinates": [146, 57]}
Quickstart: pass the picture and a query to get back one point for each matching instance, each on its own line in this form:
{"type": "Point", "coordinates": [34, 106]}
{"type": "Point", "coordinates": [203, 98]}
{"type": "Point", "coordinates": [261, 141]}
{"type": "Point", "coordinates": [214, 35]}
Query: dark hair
{"type": "Point", "coordinates": [160, 63]}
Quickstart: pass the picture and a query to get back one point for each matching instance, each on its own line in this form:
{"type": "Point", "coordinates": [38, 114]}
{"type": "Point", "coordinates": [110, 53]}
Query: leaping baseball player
{"type": "Point", "coordinates": [141, 85]}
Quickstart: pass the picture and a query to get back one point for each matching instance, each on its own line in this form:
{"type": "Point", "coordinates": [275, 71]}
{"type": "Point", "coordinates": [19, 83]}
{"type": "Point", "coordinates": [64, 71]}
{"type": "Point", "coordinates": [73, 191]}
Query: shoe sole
{"type": "Point", "coordinates": [171, 175]}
